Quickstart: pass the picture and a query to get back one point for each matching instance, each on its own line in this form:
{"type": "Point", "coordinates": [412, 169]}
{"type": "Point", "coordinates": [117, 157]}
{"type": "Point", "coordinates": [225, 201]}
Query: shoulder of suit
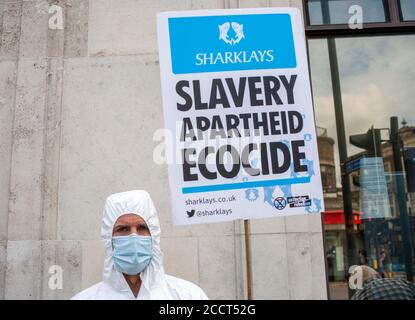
{"type": "Point", "coordinates": [185, 289]}
{"type": "Point", "coordinates": [88, 293]}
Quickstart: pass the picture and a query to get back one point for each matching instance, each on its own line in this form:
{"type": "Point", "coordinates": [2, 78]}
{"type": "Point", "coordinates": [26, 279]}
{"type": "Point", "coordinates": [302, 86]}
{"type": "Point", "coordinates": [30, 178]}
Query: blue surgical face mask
{"type": "Point", "coordinates": [132, 253]}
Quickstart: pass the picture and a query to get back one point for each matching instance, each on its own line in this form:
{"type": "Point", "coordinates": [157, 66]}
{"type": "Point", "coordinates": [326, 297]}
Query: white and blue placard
{"type": "Point", "coordinates": [240, 133]}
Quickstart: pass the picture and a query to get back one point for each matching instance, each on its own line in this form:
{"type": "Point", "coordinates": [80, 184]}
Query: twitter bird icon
{"type": "Point", "coordinates": [190, 213]}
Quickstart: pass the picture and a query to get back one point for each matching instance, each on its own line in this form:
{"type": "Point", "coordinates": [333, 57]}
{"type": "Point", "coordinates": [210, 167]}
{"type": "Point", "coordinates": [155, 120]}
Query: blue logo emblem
{"type": "Point", "coordinates": [231, 43]}
{"type": "Point", "coordinates": [224, 32]}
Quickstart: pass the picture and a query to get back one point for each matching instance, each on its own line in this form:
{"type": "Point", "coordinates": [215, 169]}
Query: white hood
{"type": "Point", "coordinates": [140, 203]}
{"type": "Point", "coordinates": [155, 284]}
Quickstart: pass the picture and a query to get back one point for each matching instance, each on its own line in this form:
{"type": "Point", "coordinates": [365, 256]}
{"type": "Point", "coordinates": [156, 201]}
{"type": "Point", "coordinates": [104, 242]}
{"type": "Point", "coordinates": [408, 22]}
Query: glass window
{"type": "Point", "coordinates": [407, 10]}
{"type": "Point", "coordinates": [338, 11]}
{"type": "Point", "coordinates": [377, 76]}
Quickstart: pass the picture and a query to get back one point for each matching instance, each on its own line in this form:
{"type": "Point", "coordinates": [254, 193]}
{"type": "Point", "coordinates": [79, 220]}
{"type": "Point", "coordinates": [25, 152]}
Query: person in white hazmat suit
{"type": "Point", "coordinates": [133, 266]}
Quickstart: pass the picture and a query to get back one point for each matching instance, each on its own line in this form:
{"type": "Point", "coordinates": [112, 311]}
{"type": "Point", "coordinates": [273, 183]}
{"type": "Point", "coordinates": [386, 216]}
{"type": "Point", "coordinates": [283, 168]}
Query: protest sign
{"type": "Point", "coordinates": [237, 102]}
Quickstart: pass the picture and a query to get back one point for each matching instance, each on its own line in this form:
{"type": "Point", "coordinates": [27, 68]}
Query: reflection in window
{"type": "Point", "coordinates": [323, 105]}
{"type": "Point", "coordinates": [377, 77]}
{"type": "Point", "coordinates": [328, 178]}
{"type": "Point", "coordinates": [407, 10]}
{"type": "Point", "coordinates": [373, 11]}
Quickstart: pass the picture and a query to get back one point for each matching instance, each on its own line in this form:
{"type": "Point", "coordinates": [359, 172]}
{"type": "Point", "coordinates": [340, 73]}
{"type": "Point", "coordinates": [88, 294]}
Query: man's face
{"type": "Point", "coordinates": [130, 223]}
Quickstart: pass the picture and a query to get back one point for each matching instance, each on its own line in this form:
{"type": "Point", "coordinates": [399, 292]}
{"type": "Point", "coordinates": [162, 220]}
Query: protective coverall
{"type": "Point", "coordinates": [155, 283]}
